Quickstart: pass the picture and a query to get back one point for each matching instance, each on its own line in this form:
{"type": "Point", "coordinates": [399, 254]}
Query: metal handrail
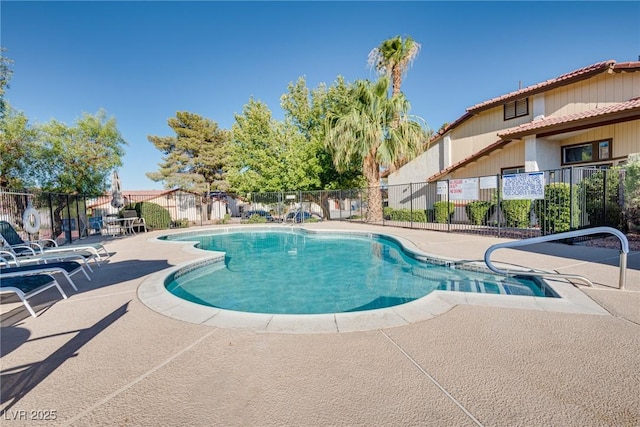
{"type": "Point", "coordinates": [624, 244]}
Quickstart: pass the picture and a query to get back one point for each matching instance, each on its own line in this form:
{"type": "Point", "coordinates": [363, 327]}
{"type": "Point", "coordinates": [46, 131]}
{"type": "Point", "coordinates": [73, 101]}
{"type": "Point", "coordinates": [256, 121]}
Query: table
{"type": "Point", "coordinates": [126, 224]}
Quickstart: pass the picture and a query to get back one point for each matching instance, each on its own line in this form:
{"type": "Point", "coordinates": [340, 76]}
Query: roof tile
{"type": "Point", "coordinates": [565, 78]}
{"type": "Point", "coordinates": [550, 121]}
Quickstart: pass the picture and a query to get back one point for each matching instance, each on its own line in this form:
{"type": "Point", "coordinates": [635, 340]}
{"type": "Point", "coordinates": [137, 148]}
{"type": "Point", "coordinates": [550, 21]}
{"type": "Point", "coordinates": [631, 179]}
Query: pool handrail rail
{"type": "Point", "coordinates": [624, 251]}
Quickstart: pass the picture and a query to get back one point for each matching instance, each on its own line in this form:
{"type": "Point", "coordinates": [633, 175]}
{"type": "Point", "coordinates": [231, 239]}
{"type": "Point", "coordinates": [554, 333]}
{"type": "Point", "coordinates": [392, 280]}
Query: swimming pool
{"type": "Point", "coordinates": [295, 271]}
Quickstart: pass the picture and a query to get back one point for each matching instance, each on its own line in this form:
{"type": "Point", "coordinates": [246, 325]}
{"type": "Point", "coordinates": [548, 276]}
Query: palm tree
{"type": "Point", "coordinates": [364, 133]}
{"type": "Point", "coordinates": [393, 58]}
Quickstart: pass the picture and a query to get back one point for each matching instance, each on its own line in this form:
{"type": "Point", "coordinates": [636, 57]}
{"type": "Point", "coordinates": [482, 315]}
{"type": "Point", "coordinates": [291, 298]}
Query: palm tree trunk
{"type": "Point", "coordinates": [396, 80]}
{"type": "Point", "coordinates": [371, 172]}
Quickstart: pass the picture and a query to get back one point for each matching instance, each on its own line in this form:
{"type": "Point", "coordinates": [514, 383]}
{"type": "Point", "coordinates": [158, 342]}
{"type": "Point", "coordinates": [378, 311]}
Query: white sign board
{"type": "Point", "coordinates": [442, 188]}
{"type": "Point", "coordinates": [488, 182]}
{"type": "Point", "coordinates": [463, 189]}
{"type": "Point", "coordinates": [523, 186]}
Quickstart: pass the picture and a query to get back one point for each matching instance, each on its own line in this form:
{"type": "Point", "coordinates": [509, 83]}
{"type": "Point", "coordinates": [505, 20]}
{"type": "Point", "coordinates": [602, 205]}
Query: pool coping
{"type": "Point", "coordinates": [154, 295]}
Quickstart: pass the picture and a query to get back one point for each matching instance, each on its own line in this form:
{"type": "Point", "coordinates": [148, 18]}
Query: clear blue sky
{"type": "Point", "coordinates": [143, 61]}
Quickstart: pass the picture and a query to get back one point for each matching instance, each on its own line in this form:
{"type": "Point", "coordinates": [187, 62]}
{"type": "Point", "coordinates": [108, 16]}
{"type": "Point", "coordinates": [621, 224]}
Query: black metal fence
{"type": "Point", "coordinates": [61, 216]}
{"type": "Point", "coordinates": [518, 206]}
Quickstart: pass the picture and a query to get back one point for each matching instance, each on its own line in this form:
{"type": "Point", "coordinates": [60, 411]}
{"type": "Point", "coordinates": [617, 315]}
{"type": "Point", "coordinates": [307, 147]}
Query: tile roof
{"type": "Point", "coordinates": [137, 195]}
{"type": "Point", "coordinates": [579, 74]}
{"type": "Point", "coordinates": [568, 78]}
{"type": "Point", "coordinates": [484, 152]}
{"type": "Point", "coordinates": [576, 75]}
{"type": "Point", "coordinates": [632, 107]}
{"type": "Point", "coordinates": [528, 128]}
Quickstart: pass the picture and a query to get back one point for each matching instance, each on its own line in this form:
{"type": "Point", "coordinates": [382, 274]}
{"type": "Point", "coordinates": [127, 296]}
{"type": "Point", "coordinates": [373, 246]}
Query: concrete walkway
{"type": "Point", "coordinates": [103, 357]}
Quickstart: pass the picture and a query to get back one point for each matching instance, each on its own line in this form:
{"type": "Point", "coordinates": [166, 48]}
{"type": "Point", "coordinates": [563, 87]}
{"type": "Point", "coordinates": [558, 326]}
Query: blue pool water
{"type": "Point", "coordinates": [295, 272]}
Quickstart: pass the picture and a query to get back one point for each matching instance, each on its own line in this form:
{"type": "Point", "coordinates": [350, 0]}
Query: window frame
{"type": "Point", "coordinates": [595, 152]}
{"type": "Point", "coordinates": [514, 103]}
{"type": "Point", "coordinates": [510, 168]}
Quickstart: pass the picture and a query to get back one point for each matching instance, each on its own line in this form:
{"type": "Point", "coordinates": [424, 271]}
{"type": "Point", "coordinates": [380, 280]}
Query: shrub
{"type": "Point", "coordinates": [155, 216]}
{"type": "Point", "coordinates": [516, 212]}
{"type": "Point", "coordinates": [554, 212]}
{"type": "Point", "coordinates": [404, 215]}
{"type": "Point", "coordinates": [387, 212]}
{"type": "Point", "coordinates": [444, 211]}
{"type": "Point", "coordinates": [181, 223]}
{"type": "Point", "coordinates": [478, 211]}
{"type": "Point", "coordinates": [600, 193]}
{"type": "Point", "coordinates": [256, 219]}
{"type": "Point", "coordinates": [632, 192]}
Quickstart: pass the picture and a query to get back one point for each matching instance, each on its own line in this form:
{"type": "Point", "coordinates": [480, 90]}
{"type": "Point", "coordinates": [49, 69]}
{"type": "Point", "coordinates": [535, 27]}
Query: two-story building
{"type": "Point", "coordinates": [588, 117]}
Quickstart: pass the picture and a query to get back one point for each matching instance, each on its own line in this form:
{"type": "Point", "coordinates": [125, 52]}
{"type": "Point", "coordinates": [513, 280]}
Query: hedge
{"type": "Point", "coordinates": [404, 215]}
{"type": "Point", "coordinates": [155, 216]}
{"type": "Point", "coordinates": [516, 212]}
{"type": "Point", "coordinates": [554, 212]}
{"type": "Point", "coordinates": [478, 211]}
{"type": "Point", "coordinates": [592, 190]}
{"type": "Point", "coordinates": [443, 211]}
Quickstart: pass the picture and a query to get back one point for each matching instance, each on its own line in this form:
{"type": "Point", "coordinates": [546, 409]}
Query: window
{"type": "Point", "coordinates": [512, 170]}
{"type": "Point", "coordinates": [587, 152]}
{"type": "Point", "coordinates": [517, 108]}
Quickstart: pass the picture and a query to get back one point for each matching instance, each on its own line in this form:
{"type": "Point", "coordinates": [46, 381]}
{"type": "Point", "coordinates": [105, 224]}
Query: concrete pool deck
{"type": "Point", "coordinates": [103, 357]}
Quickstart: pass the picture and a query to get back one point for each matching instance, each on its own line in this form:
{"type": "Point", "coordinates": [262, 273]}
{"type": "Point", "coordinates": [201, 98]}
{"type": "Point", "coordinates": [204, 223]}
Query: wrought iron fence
{"type": "Point", "coordinates": [518, 206]}
{"type": "Point", "coordinates": [62, 217]}
{"type": "Point", "coordinates": [536, 204]}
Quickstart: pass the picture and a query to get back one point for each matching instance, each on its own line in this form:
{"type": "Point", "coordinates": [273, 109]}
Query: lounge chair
{"type": "Point", "coordinates": [66, 268]}
{"type": "Point", "coordinates": [13, 239]}
{"type": "Point", "coordinates": [26, 286]}
{"type": "Point", "coordinates": [14, 259]}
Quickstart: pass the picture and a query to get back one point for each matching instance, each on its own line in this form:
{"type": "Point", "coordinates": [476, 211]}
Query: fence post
{"type": "Point", "coordinates": [604, 197]}
{"type": "Point", "coordinates": [78, 217]}
{"type": "Point", "coordinates": [499, 207]}
{"type": "Point", "coordinates": [571, 198]}
{"type": "Point", "coordinates": [68, 235]}
{"type": "Point", "coordinates": [53, 225]}
{"type": "Point", "coordinates": [448, 209]}
{"type": "Point", "coordinates": [411, 205]}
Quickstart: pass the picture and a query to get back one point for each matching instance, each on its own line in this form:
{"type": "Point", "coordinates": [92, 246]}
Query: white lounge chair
{"type": "Point", "coordinates": [21, 247]}
{"type": "Point", "coordinates": [66, 268]}
{"type": "Point", "coordinates": [27, 286]}
{"type": "Point", "coordinates": [14, 259]}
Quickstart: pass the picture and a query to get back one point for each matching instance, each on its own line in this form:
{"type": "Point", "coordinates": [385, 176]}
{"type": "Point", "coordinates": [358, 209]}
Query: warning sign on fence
{"type": "Point", "coordinates": [528, 186]}
{"type": "Point", "coordinates": [463, 189]}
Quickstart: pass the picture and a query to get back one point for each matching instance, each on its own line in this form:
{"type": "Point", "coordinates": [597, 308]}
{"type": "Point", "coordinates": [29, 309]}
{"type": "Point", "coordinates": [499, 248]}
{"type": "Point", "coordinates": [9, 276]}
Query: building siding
{"type": "Point", "coordinates": [482, 131]}
{"type": "Point", "coordinates": [511, 156]}
{"type": "Point", "coordinates": [625, 137]}
{"type": "Point", "coordinates": [598, 91]}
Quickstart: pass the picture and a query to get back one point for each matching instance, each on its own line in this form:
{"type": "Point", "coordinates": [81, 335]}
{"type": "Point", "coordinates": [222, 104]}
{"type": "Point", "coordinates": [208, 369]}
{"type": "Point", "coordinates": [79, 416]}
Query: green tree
{"type": "Point", "coordinates": [78, 158]}
{"type": "Point", "coordinates": [307, 110]}
{"type": "Point", "coordinates": [267, 155]}
{"type": "Point", "coordinates": [5, 76]}
{"type": "Point", "coordinates": [393, 57]}
{"type": "Point", "coordinates": [196, 158]}
{"type": "Point", "coordinates": [375, 129]}
{"type": "Point", "coordinates": [17, 145]}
